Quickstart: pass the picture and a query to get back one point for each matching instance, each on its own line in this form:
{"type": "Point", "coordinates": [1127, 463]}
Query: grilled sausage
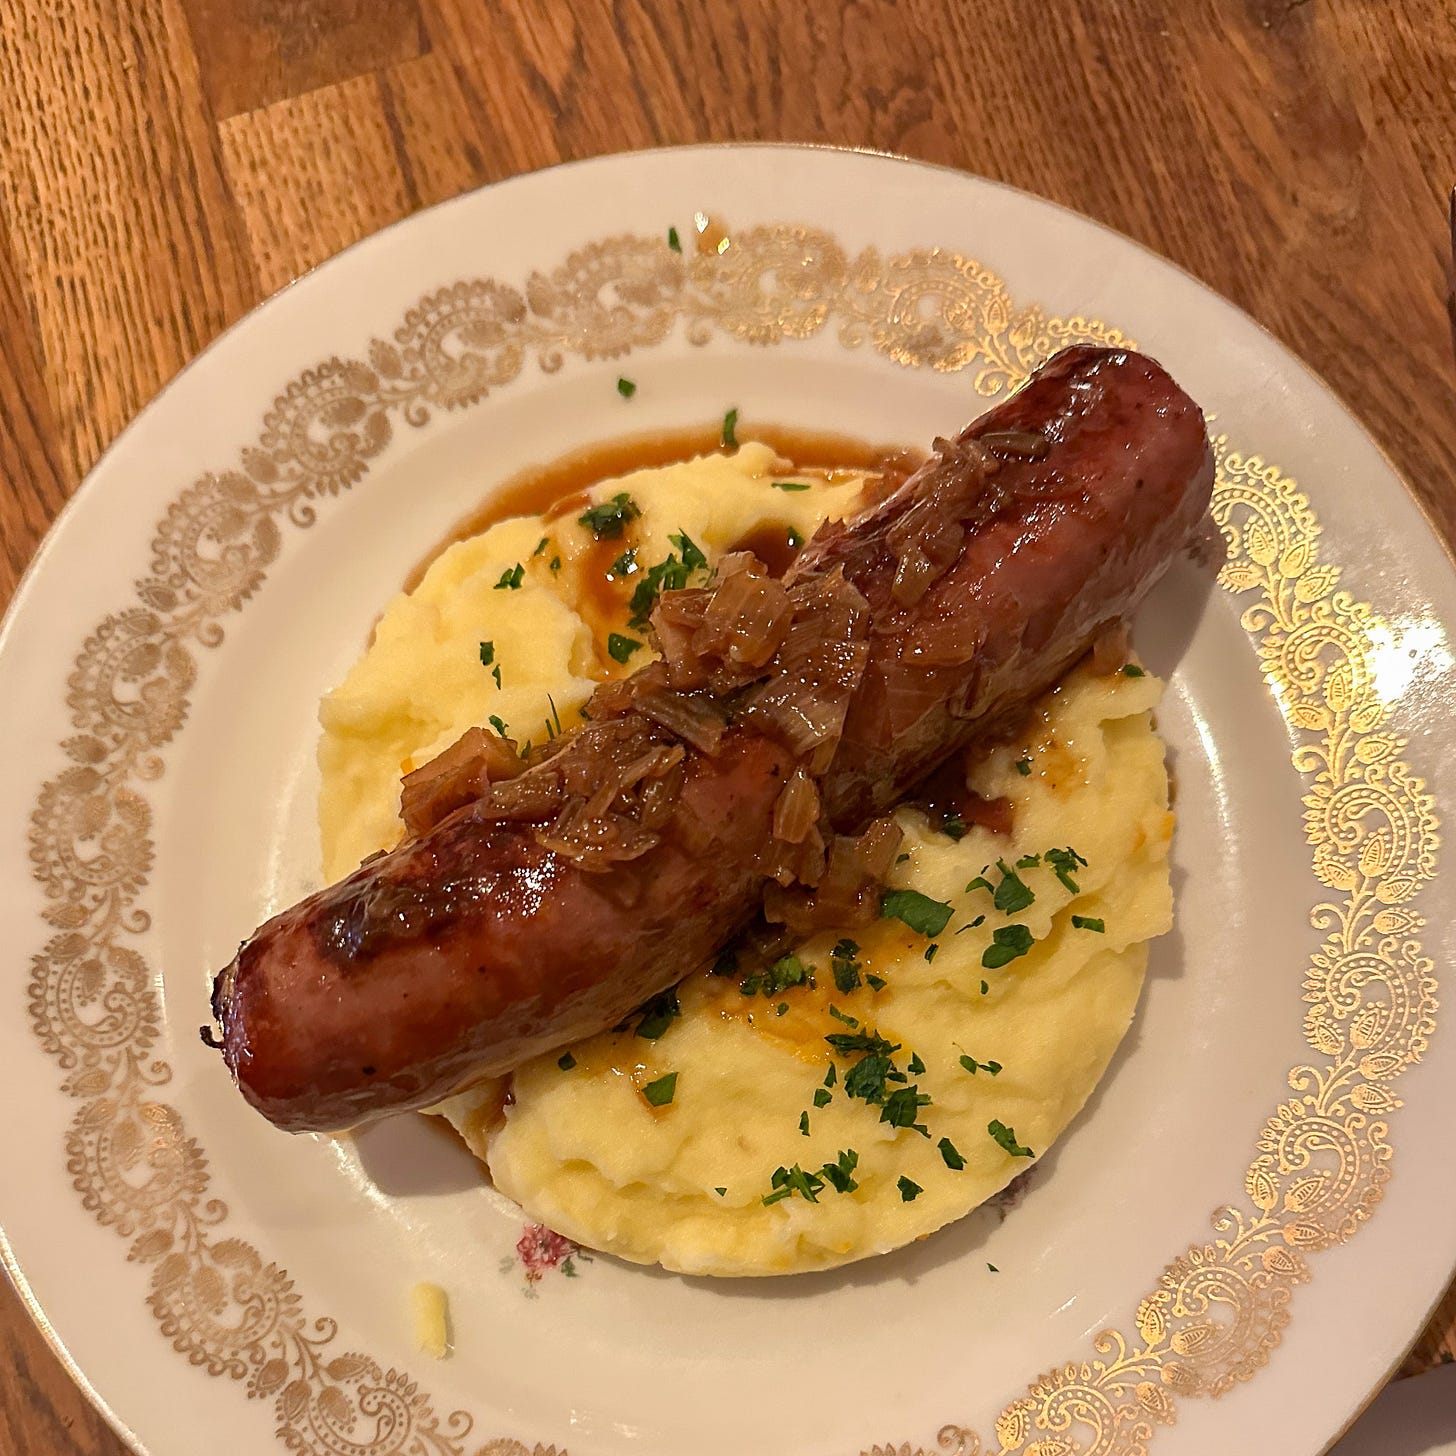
{"type": "Point", "coordinates": [541, 911]}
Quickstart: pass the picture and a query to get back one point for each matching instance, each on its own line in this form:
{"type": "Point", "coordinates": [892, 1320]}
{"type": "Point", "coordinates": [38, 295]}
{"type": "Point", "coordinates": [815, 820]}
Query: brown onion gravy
{"type": "Point", "coordinates": [560, 487]}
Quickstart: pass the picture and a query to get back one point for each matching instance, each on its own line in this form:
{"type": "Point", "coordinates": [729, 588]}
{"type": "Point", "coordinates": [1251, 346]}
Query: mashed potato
{"type": "Point", "coordinates": [858, 1096]}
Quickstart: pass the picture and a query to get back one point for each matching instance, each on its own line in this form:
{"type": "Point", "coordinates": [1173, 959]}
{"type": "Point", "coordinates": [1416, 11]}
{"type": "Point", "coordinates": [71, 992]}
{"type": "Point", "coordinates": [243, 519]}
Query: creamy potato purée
{"type": "Point", "coordinates": [761, 1100]}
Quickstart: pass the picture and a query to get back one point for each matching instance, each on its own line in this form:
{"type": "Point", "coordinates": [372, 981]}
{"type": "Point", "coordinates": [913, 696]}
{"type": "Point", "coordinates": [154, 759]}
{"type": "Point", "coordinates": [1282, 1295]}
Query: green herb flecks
{"type": "Point", "coordinates": [499, 725]}
{"type": "Point", "coordinates": [662, 1091]}
{"type": "Point", "coordinates": [840, 1173]}
{"type": "Point", "coordinates": [1023, 767]}
{"type": "Point", "coordinates": [909, 1191]}
{"type": "Point", "coordinates": [921, 913]}
{"type": "Point", "coordinates": [951, 1155]}
{"type": "Point", "coordinates": [1006, 1137]}
{"type": "Point", "coordinates": [675, 244]}
{"type": "Point", "coordinates": [971, 1065]}
{"type": "Point", "coordinates": [566, 1061]}
{"type": "Point", "coordinates": [510, 579]}
{"type": "Point", "coordinates": [626, 388]}
{"type": "Point", "coordinates": [902, 1108]}
{"type": "Point", "coordinates": [1133, 670]}
{"type": "Point", "coordinates": [487, 653]}
{"type": "Point", "coordinates": [790, 484]}
{"type": "Point", "coordinates": [658, 1014]}
{"type": "Point", "coordinates": [608, 520]}
{"type": "Point", "coordinates": [1009, 942]}
{"type": "Point", "coordinates": [773, 980]}
{"type": "Point", "coordinates": [1089, 922]}
{"type": "Point", "coordinates": [1065, 862]}
{"type": "Point", "coordinates": [730, 430]}
{"type": "Point", "coordinates": [619, 647]}
{"type": "Point", "coordinates": [845, 968]}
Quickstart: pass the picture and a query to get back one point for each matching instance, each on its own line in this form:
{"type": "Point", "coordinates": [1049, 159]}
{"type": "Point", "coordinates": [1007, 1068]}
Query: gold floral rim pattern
{"type": "Point", "coordinates": [1323, 1156]}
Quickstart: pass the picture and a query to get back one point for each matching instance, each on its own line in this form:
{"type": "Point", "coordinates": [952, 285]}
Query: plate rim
{"type": "Point", "coordinates": [87, 488]}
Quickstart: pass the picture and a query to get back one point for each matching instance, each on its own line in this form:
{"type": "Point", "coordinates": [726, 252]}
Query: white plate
{"type": "Point", "coordinates": [1192, 1265]}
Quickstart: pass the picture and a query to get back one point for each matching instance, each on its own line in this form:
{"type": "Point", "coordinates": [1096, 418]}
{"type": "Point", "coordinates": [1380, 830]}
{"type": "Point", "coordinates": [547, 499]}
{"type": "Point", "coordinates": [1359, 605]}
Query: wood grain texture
{"type": "Point", "coordinates": [156, 180]}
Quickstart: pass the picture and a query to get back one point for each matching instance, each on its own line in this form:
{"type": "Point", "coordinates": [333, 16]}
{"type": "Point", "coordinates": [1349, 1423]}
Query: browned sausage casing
{"type": "Point", "coordinates": [472, 948]}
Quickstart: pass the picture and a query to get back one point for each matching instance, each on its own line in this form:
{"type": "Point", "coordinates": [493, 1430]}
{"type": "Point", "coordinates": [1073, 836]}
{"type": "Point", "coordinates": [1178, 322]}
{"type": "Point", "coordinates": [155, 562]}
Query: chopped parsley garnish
{"type": "Point", "coordinates": [1089, 922]}
{"type": "Point", "coordinates": [511, 578]}
{"type": "Point", "coordinates": [1023, 767]}
{"type": "Point", "coordinates": [787, 971]}
{"type": "Point", "coordinates": [730, 430]}
{"type": "Point", "coordinates": [676, 246]}
{"type": "Point", "coordinates": [1009, 942]}
{"type": "Point", "coordinates": [909, 1191]}
{"type": "Point", "coordinates": [794, 539]}
{"type": "Point", "coordinates": [862, 1041]}
{"type": "Point", "coordinates": [901, 858]}
{"type": "Point", "coordinates": [720, 1192]}
{"type": "Point", "coordinates": [790, 484]}
{"type": "Point", "coordinates": [626, 388]}
{"type": "Point", "coordinates": [541, 545]}
{"type": "Point", "coordinates": [658, 1014]}
{"type": "Point", "coordinates": [555, 565]}
{"type": "Point", "coordinates": [487, 653]}
{"type": "Point", "coordinates": [1065, 862]}
{"type": "Point", "coordinates": [495, 673]}
{"type": "Point", "coordinates": [1028, 862]}
{"type": "Point", "coordinates": [499, 725]}
{"type": "Point", "coordinates": [822, 1096]}
{"type": "Point", "coordinates": [979, 883]}
{"type": "Point", "coordinates": [903, 1106]}
{"type": "Point", "coordinates": [916, 1066]}
{"type": "Point", "coordinates": [553, 723]}
{"type": "Point", "coordinates": [845, 967]}
{"type": "Point", "coordinates": [661, 1092]}
{"type": "Point", "coordinates": [840, 1173]}
{"type": "Point", "coordinates": [620, 648]}
{"type": "Point", "coordinates": [831, 1076]}
{"type": "Point", "coordinates": [973, 1066]}
{"type": "Point", "coordinates": [984, 987]}
{"type": "Point", "coordinates": [875, 983]}
{"type": "Point", "coordinates": [608, 520]}
{"type": "Point", "coordinates": [804, 1124]}
{"type": "Point", "coordinates": [566, 1062]}
{"type": "Point", "coordinates": [953, 827]}
{"type": "Point", "coordinates": [867, 1078]}
{"type": "Point", "coordinates": [668, 575]}
{"type": "Point", "coordinates": [1006, 1137]}
{"type": "Point", "coordinates": [624, 565]}
{"type": "Point", "coordinates": [838, 1015]}
{"type": "Point", "coordinates": [1133, 670]}
{"type": "Point", "coordinates": [975, 924]}
{"type": "Point", "coordinates": [993, 1268]}
{"type": "Point", "coordinates": [781, 1008]}
{"type": "Point", "coordinates": [951, 1154]}
{"type": "Point", "coordinates": [1013, 894]}
{"type": "Point", "coordinates": [919, 912]}
{"type": "Point", "coordinates": [788, 1181]}
{"type": "Point", "coordinates": [931, 949]}
{"type": "Point", "coordinates": [692, 556]}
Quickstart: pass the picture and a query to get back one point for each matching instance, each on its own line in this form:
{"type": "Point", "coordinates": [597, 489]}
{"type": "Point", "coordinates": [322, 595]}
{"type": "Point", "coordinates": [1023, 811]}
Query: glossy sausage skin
{"type": "Point", "coordinates": [473, 948]}
{"type": "Point", "coordinates": [1080, 537]}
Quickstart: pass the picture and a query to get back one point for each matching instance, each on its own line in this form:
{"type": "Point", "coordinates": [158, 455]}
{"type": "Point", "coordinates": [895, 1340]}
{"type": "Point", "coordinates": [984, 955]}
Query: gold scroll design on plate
{"type": "Point", "coordinates": [1323, 1155]}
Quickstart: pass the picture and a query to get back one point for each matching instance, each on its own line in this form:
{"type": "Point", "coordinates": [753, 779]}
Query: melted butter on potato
{"type": "Point", "coordinates": [581, 1147]}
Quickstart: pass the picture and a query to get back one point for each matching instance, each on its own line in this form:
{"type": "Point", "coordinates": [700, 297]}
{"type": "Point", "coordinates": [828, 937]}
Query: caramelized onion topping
{"type": "Point", "coordinates": [460, 775]}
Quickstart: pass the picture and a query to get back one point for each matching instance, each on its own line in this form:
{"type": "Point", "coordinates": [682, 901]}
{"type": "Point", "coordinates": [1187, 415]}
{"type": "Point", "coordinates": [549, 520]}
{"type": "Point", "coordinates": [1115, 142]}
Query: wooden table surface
{"type": "Point", "coordinates": [165, 164]}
